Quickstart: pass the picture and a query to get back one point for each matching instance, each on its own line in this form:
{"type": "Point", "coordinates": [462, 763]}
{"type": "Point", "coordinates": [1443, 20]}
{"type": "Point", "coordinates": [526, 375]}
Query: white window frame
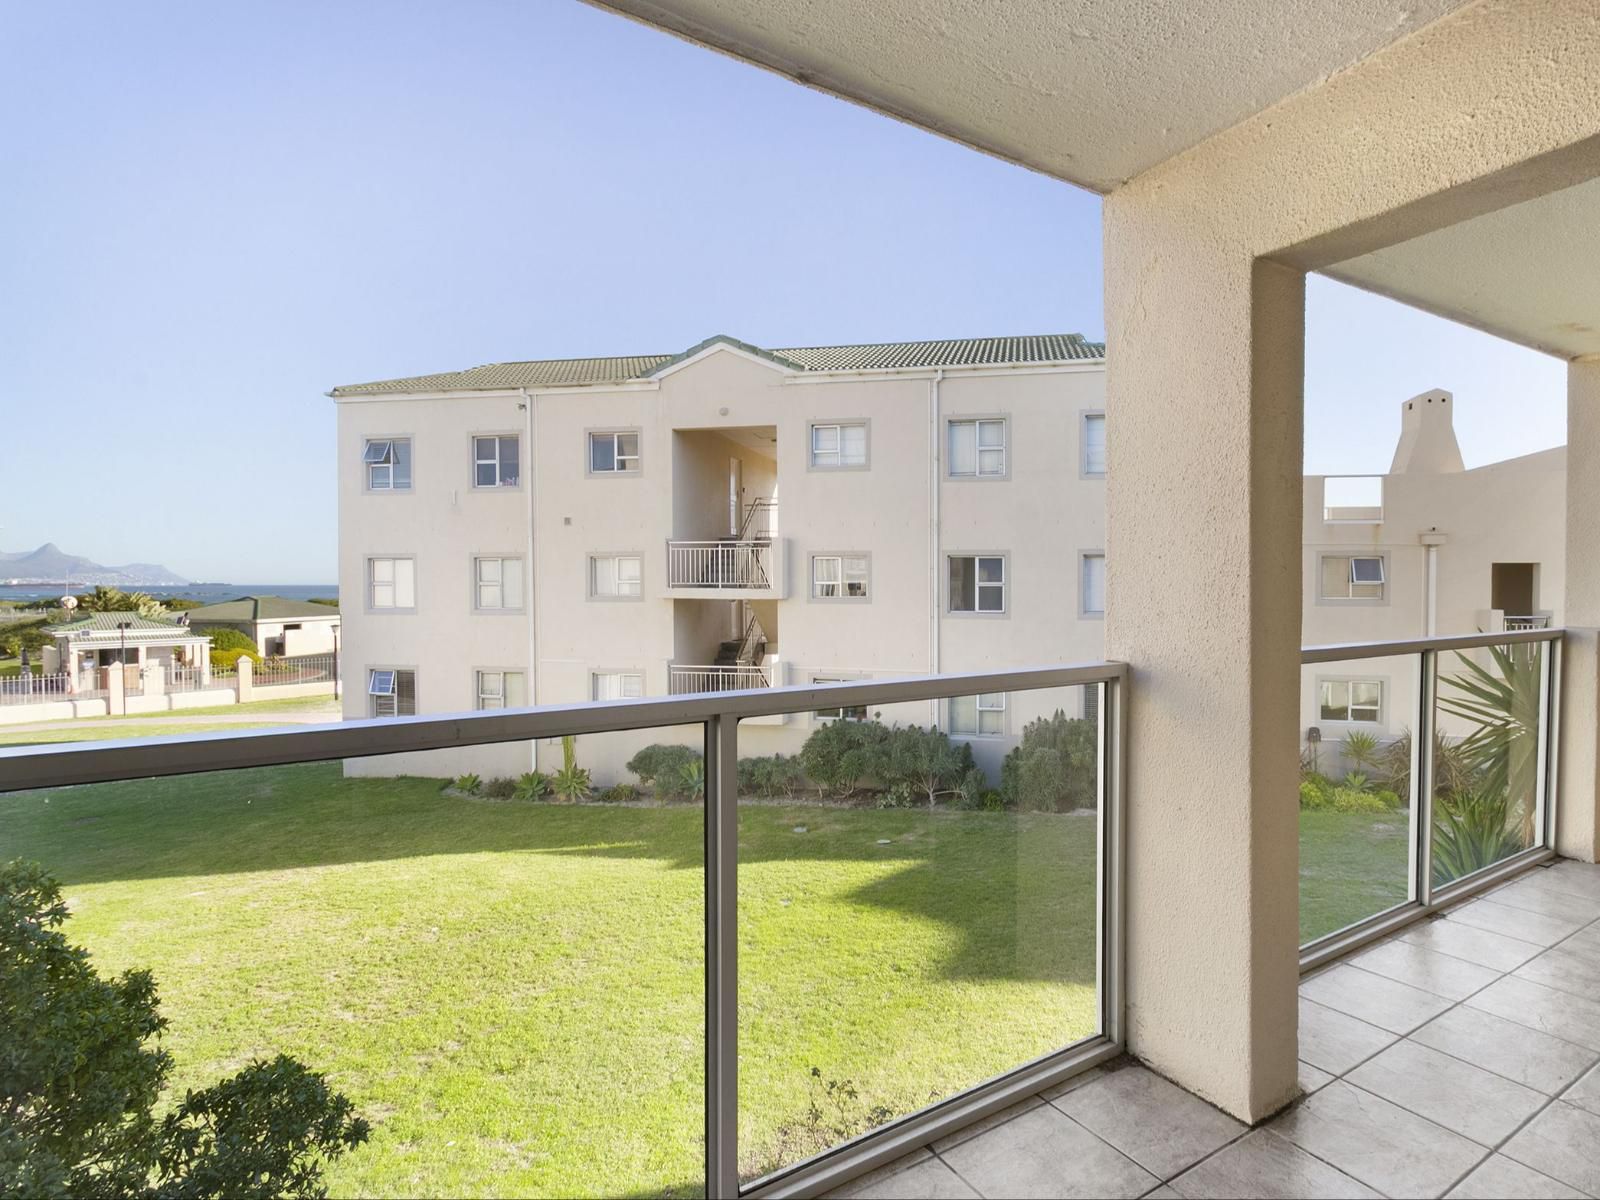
{"type": "Point", "coordinates": [842, 712]}
{"type": "Point", "coordinates": [1086, 469]}
{"type": "Point", "coordinates": [620, 673]}
{"type": "Point", "coordinates": [838, 425]}
{"type": "Point", "coordinates": [1348, 683]}
{"type": "Point", "coordinates": [393, 583]}
{"type": "Point", "coordinates": [505, 562]}
{"type": "Point", "coordinates": [375, 699]}
{"type": "Point", "coordinates": [978, 448]}
{"type": "Point", "coordinates": [369, 466]}
{"type": "Point", "coordinates": [1084, 611]}
{"type": "Point", "coordinates": [490, 698]}
{"type": "Point", "coordinates": [616, 558]}
{"type": "Point", "coordinates": [496, 461]}
{"type": "Point", "coordinates": [1351, 557]}
{"type": "Point", "coordinates": [1004, 584]}
{"type": "Point", "coordinates": [842, 580]}
{"type": "Point", "coordinates": [618, 459]}
{"type": "Point", "coordinates": [983, 702]}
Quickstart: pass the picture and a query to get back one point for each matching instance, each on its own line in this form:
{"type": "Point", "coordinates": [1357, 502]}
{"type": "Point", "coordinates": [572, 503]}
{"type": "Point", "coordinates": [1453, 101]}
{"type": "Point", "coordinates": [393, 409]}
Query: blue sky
{"type": "Point", "coordinates": [211, 214]}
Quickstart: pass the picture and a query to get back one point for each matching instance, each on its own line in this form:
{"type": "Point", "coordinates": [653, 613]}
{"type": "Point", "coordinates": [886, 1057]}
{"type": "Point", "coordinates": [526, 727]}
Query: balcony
{"type": "Point", "coordinates": [727, 569]}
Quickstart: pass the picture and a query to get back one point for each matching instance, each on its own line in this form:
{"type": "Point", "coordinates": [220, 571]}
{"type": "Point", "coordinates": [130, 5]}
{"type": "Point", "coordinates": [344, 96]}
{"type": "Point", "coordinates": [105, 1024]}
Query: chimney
{"type": "Point", "coordinates": [1427, 437]}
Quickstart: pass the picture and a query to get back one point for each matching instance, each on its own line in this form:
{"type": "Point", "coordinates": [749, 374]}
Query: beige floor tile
{"type": "Point", "coordinates": [1265, 1166]}
{"type": "Point", "coordinates": [1311, 1078]}
{"type": "Point", "coordinates": [983, 1123]}
{"type": "Point", "coordinates": [1045, 1153]}
{"type": "Point", "coordinates": [1476, 1104]}
{"type": "Point", "coordinates": [1156, 1123]}
{"type": "Point", "coordinates": [1452, 978]}
{"type": "Point", "coordinates": [1581, 879]}
{"type": "Point", "coordinates": [1560, 1014]}
{"type": "Point", "coordinates": [1519, 923]}
{"type": "Point", "coordinates": [1585, 1094]}
{"type": "Point", "coordinates": [1493, 950]}
{"type": "Point", "coordinates": [1562, 1142]}
{"type": "Point", "coordinates": [1375, 999]}
{"type": "Point", "coordinates": [926, 1179]}
{"type": "Point", "coordinates": [1070, 1085]}
{"type": "Point", "coordinates": [1535, 894]}
{"type": "Point", "coordinates": [1537, 1060]}
{"type": "Point", "coordinates": [1378, 1143]}
{"type": "Point", "coordinates": [1334, 1042]}
{"type": "Point", "coordinates": [1565, 970]}
{"type": "Point", "coordinates": [1499, 1178]}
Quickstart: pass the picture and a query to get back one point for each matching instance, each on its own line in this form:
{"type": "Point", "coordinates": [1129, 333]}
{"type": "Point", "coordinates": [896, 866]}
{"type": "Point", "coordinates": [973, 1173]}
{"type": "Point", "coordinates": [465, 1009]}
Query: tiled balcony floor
{"type": "Point", "coordinates": [1458, 1058]}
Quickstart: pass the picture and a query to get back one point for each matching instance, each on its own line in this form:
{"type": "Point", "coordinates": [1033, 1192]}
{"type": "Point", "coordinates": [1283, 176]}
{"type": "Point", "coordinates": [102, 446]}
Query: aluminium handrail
{"type": "Point", "coordinates": [25, 768]}
{"type": "Point", "coordinates": [1340, 652]}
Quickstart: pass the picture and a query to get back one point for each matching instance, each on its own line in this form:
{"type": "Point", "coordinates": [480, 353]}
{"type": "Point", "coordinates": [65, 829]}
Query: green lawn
{"type": "Point", "coordinates": [105, 733]}
{"type": "Point", "coordinates": [1352, 865]}
{"type": "Point", "coordinates": [513, 992]}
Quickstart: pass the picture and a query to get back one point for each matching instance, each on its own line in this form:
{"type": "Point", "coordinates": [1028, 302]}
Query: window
{"type": "Point", "coordinates": [391, 583]}
{"type": "Point", "coordinates": [844, 712]}
{"type": "Point", "coordinates": [1352, 577]}
{"type": "Point", "coordinates": [1352, 700]}
{"type": "Point", "coordinates": [978, 716]}
{"type": "Point", "coordinates": [613, 453]}
{"type": "Point", "coordinates": [1092, 589]}
{"type": "Point", "coordinates": [977, 448]}
{"type": "Point", "coordinates": [494, 461]}
{"type": "Point", "coordinates": [839, 576]}
{"type": "Point", "coordinates": [392, 693]}
{"type": "Point", "coordinates": [388, 464]}
{"type": "Point", "coordinates": [839, 445]}
{"type": "Point", "coordinates": [977, 583]}
{"type": "Point", "coordinates": [1094, 444]}
{"type": "Point", "coordinates": [501, 689]}
{"type": "Point", "coordinates": [615, 576]}
{"type": "Point", "coordinates": [497, 584]}
{"type": "Point", "coordinates": [616, 685]}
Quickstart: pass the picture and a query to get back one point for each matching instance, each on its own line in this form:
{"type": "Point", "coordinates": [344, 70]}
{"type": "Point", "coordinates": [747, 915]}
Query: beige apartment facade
{"type": "Point", "coordinates": [734, 517]}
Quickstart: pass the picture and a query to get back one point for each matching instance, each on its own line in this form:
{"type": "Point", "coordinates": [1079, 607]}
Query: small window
{"type": "Point", "coordinates": [1352, 577]}
{"type": "Point", "coordinates": [616, 685]}
{"type": "Point", "coordinates": [613, 453]}
{"type": "Point", "coordinates": [1092, 596]}
{"type": "Point", "coordinates": [839, 576]}
{"type": "Point", "coordinates": [388, 464]}
{"type": "Point", "coordinates": [1352, 700]}
{"type": "Point", "coordinates": [839, 445]}
{"type": "Point", "coordinates": [392, 693]}
{"type": "Point", "coordinates": [494, 461]}
{"type": "Point", "coordinates": [1094, 444]}
{"type": "Point", "coordinates": [498, 584]}
{"type": "Point", "coordinates": [616, 576]}
{"type": "Point", "coordinates": [977, 583]}
{"type": "Point", "coordinates": [391, 583]}
{"type": "Point", "coordinates": [978, 716]}
{"type": "Point", "coordinates": [843, 712]}
{"type": "Point", "coordinates": [977, 448]}
{"type": "Point", "coordinates": [501, 689]}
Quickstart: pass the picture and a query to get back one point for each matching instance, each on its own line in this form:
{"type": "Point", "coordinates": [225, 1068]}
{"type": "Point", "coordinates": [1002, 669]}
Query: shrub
{"type": "Point", "coordinates": [224, 638]}
{"type": "Point", "coordinates": [1356, 782]}
{"type": "Point", "coordinates": [467, 784]}
{"type": "Point", "coordinates": [571, 783]}
{"type": "Point", "coordinates": [1054, 769]}
{"type": "Point", "coordinates": [770, 777]}
{"type": "Point", "coordinates": [620, 793]}
{"type": "Point", "coordinates": [1320, 794]}
{"type": "Point", "coordinates": [897, 795]}
{"type": "Point", "coordinates": [1472, 830]}
{"type": "Point", "coordinates": [531, 785]}
{"type": "Point", "coordinates": [839, 756]}
{"type": "Point", "coordinates": [925, 761]}
{"type": "Point", "coordinates": [661, 765]}
{"type": "Point", "coordinates": [1315, 790]}
{"type": "Point", "coordinates": [228, 660]}
{"type": "Point", "coordinates": [970, 791]}
{"type": "Point", "coordinates": [691, 781]}
{"type": "Point", "coordinates": [500, 789]}
{"type": "Point", "coordinates": [82, 1085]}
{"type": "Point", "coordinates": [1361, 748]}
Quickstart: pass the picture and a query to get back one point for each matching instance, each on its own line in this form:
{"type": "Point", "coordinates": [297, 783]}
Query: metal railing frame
{"type": "Point", "coordinates": [28, 768]}
{"type": "Point", "coordinates": [1425, 899]}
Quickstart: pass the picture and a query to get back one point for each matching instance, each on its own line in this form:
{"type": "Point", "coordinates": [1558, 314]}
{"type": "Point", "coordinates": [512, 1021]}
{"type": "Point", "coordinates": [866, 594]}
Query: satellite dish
{"type": "Point", "coordinates": [69, 602]}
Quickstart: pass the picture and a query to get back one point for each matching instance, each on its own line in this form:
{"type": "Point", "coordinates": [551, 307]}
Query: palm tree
{"type": "Point", "coordinates": [105, 599]}
{"type": "Point", "coordinates": [1501, 703]}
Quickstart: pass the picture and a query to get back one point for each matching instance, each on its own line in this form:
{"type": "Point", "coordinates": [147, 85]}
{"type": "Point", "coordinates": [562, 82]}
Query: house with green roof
{"type": "Point", "coordinates": [101, 640]}
{"type": "Point", "coordinates": [280, 628]}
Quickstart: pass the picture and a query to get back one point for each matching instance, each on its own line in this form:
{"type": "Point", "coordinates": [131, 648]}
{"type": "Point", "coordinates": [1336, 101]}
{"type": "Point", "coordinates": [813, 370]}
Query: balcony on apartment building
{"type": "Point", "coordinates": [725, 516]}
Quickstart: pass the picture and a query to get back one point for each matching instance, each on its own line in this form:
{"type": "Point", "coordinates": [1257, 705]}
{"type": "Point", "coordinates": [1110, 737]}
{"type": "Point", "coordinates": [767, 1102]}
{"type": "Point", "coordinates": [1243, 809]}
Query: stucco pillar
{"type": "Point", "coordinates": [1203, 500]}
{"type": "Point", "coordinates": [1578, 812]}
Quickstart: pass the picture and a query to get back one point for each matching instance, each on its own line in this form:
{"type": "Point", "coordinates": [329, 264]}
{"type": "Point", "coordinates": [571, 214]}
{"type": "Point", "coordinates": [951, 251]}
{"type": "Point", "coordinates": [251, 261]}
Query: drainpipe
{"type": "Point", "coordinates": [934, 459]}
{"type": "Point", "coordinates": [1431, 541]}
{"type": "Point", "coordinates": [531, 475]}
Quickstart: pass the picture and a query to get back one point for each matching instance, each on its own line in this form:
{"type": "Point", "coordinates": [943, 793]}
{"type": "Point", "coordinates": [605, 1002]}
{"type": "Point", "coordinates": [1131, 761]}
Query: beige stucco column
{"type": "Point", "coordinates": [1578, 815]}
{"type": "Point", "coordinates": [1203, 500]}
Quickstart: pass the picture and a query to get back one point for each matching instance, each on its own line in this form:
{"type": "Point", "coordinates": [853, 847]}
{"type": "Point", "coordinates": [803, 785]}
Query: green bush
{"type": "Point", "coordinates": [1054, 769]}
{"type": "Point", "coordinates": [228, 660]}
{"type": "Point", "coordinates": [619, 793]}
{"type": "Point", "coordinates": [1320, 794]}
{"type": "Point", "coordinates": [925, 761]}
{"type": "Point", "coordinates": [467, 784]}
{"type": "Point", "coordinates": [84, 1074]}
{"type": "Point", "coordinates": [531, 785]}
{"type": "Point", "coordinates": [841, 755]}
{"type": "Point", "coordinates": [661, 765]}
{"type": "Point", "coordinates": [500, 789]}
{"type": "Point", "coordinates": [224, 638]}
{"type": "Point", "coordinates": [970, 791]}
{"type": "Point", "coordinates": [771, 777]}
{"type": "Point", "coordinates": [572, 782]}
{"type": "Point", "coordinates": [897, 795]}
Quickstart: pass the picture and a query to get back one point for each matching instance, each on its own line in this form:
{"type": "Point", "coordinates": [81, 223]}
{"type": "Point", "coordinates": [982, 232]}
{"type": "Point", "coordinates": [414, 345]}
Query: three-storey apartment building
{"type": "Point", "coordinates": [734, 517]}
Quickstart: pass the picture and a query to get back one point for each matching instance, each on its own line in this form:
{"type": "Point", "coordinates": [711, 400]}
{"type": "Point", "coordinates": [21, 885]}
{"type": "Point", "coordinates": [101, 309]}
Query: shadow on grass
{"type": "Point", "coordinates": [1017, 888]}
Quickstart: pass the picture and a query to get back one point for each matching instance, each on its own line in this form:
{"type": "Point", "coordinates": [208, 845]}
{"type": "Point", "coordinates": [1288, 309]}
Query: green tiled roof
{"type": "Point", "coordinates": [260, 608]}
{"type": "Point", "coordinates": [107, 622]}
{"type": "Point", "coordinates": [877, 356]}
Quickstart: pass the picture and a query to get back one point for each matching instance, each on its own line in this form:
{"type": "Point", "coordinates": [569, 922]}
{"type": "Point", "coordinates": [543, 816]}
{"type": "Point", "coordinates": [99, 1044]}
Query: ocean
{"type": "Point", "coordinates": [205, 593]}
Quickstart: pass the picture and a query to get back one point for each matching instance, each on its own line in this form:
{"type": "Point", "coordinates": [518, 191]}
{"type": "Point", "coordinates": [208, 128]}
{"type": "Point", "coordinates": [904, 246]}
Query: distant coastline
{"type": "Point", "coordinates": [207, 593]}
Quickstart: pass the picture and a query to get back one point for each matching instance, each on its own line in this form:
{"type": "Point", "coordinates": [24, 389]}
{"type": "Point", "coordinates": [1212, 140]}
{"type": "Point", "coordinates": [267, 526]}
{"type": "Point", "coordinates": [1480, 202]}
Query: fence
{"type": "Point", "coordinates": [40, 689]}
{"type": "Point", "coordinates": [693, 681]}
{"type": "Point", "coordinates": [720, 564]}
{"type": "Point", "coordinates": [310, 668]}
{"type": "Point", "coordinates": [192, 679]}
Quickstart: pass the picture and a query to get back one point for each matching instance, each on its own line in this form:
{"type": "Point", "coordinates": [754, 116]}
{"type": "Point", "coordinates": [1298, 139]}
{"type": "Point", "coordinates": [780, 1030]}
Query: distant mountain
{"type": "Point", "coordinates": [49, 564]}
